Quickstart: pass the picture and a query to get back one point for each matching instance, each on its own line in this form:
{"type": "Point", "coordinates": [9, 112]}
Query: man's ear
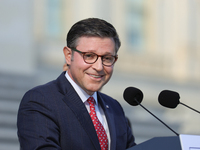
{"type": "Point", "coordinates": [68, 54]}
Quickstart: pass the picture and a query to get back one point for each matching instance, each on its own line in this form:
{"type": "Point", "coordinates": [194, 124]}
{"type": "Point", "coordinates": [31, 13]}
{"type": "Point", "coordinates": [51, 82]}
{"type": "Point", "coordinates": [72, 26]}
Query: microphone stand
{"type": "Point", "coordinates": [190, 107]}
{"type": "Point", "coordinates": [156, 117]}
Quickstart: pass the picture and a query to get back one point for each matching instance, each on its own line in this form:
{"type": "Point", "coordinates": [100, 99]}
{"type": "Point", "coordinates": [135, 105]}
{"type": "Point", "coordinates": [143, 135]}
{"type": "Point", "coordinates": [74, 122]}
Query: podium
{"type": "Point", "coordinates": [181, 142]}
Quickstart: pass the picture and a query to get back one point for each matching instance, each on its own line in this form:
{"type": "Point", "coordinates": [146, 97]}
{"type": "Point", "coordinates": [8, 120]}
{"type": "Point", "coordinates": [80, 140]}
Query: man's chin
{"type": "Point", "coordinates": [92, 90]}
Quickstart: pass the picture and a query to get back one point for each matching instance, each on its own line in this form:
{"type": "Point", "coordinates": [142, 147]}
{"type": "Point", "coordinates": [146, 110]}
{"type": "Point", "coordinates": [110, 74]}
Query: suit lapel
{"type": "Point", "coordinates": [74, 102]}
{"type": "Point", "coordinates": [110, 120]}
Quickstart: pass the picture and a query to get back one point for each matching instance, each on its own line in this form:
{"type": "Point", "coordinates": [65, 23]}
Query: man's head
{"type": "Point", "coordinates": [91, 52]}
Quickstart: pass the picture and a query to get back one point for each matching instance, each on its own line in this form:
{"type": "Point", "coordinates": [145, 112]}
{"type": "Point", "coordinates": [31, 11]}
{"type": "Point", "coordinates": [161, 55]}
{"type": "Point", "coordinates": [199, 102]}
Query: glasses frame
{"type": "Point", "coordinates": [83, 53]}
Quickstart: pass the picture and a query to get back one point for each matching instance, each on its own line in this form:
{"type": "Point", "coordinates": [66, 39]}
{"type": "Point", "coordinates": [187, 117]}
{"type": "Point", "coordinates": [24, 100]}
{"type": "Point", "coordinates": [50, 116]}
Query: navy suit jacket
{"type": "Point", "coordinates": [53, 117]}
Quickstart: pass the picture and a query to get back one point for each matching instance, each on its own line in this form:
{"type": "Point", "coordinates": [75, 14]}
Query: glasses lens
{"type": "Point", "coordinates": [108, 60]}
{"type": "Point", "coordinates": [90, 57]}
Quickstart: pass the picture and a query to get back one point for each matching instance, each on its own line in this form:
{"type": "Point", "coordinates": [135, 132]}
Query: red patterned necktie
{"type": "Point", "coordinates": [101, 133]}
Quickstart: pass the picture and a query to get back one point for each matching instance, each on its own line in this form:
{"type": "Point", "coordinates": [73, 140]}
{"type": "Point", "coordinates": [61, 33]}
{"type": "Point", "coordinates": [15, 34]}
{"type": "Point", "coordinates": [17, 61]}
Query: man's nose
{"type": "Point", "coordinates": [98, 65]}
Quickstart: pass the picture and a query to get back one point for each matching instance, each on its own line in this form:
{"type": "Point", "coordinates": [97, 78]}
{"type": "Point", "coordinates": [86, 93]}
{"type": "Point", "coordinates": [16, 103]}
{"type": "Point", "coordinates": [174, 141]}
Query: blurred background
{"type": "Point", "coordinates": [160, 50]}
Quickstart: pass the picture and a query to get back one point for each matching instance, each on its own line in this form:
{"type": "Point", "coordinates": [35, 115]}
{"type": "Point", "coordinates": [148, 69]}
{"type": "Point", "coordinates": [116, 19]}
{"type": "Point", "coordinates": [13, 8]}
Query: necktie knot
{"type": "Point", "coordinates": [91, 100]}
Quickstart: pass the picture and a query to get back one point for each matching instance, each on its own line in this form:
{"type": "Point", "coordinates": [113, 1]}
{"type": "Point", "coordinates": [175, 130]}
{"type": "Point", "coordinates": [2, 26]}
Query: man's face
{"type": "Point", "coordinates": [90, 77]}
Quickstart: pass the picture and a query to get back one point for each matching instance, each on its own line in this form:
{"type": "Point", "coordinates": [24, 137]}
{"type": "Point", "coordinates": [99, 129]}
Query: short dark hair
{"type": "Point", "coordinates": [92, 27]}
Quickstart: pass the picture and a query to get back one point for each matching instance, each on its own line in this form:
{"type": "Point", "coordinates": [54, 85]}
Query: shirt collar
{"type": "Point", "coordinates": [82, 94]}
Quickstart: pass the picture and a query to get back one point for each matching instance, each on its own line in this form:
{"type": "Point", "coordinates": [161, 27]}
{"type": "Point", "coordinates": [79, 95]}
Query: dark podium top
{"type": "Point", "coordinates": [159, 143]}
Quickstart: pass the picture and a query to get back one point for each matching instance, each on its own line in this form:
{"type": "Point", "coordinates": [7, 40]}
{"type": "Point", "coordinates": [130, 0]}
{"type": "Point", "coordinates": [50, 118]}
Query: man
{"type": "Point", "coordinates": [68, 113]}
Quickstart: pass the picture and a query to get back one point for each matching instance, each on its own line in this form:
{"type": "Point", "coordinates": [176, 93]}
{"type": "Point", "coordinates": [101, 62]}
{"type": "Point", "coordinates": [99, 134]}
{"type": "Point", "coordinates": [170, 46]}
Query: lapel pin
{"type": "Point", "coordinates": [107, 106]}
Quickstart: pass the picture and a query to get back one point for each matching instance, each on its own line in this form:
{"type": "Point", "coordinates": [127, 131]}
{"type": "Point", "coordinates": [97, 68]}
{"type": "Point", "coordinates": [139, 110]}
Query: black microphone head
{"type": "Point", "coordinates": [169, 99]}
{"type": "Point", "coordinates": [131, 94]}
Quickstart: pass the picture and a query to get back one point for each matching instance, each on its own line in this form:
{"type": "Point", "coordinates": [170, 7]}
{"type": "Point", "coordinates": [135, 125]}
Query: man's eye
{"type": "Point", "coordinates": [89, 55]}
{"type": "Point", "coordinates": [108, 58]}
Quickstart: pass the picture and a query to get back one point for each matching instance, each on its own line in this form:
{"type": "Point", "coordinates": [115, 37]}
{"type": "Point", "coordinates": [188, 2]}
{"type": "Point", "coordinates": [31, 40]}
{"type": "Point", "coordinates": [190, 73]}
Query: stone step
{"type": "Point", "coordinates": [8, 134]}
{"type": "Point", "coordinates": [12, 89]}
{"type": "Point", "coordinates": [8, 106]}
{"type": "Point", "coordinates": [9, 146]}
{"type": "Point", "coordinates": [16, 81]}
{"type": "Point", "coordinates": [13, 94]}
{"type": "Point", "coordinates": [8, 120]}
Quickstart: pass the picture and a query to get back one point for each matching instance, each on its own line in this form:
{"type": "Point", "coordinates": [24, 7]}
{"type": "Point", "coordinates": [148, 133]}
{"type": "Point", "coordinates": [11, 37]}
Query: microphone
{"type": "Point", "coordinates": [134, 97]}
{"type": "Point", "coordinates": [170, 99]}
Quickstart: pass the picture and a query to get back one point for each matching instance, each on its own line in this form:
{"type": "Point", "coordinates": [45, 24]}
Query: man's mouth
{"type": "Point", "coordinates": [96, 76]}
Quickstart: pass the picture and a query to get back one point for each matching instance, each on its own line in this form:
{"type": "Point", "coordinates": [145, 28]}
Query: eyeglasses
{"type": "Point", "coordinates": [91, 58]}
